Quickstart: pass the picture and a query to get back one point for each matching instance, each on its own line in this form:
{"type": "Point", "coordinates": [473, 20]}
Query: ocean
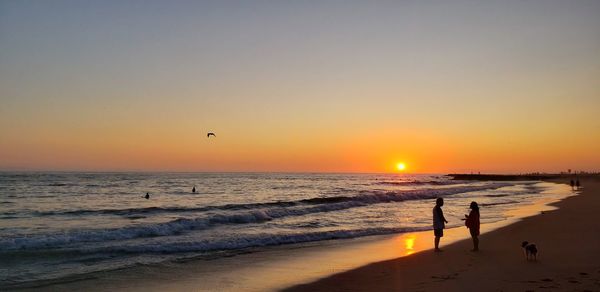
{"type": "Point", "coordinates": [59, 225]}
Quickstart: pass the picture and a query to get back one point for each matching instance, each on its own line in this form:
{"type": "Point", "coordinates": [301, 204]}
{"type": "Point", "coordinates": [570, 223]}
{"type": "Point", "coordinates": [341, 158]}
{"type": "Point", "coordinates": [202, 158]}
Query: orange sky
{"type": "Point", "coordinates": [358, 87]}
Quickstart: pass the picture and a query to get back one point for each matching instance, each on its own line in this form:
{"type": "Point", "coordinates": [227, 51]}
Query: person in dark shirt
{"type": "Point", "coordinates": [472, 222]}
{"type": "Point", "coordinates": [438, 222]}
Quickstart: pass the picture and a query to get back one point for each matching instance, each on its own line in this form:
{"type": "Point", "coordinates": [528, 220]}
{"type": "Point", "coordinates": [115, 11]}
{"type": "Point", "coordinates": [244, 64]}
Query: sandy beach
{"type": "Point", "coordinates": [567, 238]}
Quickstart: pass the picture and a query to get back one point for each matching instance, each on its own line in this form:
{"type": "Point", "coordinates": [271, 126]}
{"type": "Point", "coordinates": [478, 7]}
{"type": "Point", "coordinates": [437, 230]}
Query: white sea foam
{"type": "Point", "coordinates": [258, 240]}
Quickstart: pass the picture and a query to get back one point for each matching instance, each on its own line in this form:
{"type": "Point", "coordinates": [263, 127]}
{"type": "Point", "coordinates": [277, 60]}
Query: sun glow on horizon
{"type": "Point", "coordinates": [401, 166]}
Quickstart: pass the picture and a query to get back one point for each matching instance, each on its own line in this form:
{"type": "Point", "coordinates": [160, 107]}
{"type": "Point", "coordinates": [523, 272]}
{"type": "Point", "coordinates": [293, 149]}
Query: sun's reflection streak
{"type": "Point", "coordinates": [409, 244]}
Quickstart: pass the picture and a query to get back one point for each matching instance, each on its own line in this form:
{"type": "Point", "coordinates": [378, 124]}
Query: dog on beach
{"type": "Point", "coordinates": [530, 250]}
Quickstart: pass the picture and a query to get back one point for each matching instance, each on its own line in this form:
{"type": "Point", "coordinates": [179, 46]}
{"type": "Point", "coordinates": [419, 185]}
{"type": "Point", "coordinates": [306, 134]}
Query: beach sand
{"type": "Point", "coordinates": [568, 240]}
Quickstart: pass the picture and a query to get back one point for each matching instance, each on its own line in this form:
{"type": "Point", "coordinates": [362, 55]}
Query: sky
{"type": "Point", "coordinates": [300, 86]}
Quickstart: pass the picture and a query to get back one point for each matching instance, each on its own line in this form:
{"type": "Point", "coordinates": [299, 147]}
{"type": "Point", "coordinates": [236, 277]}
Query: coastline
{"type": "Point", "coordinates": [567, 239]}
{"type": "Point", "coordinates": [275, 268]}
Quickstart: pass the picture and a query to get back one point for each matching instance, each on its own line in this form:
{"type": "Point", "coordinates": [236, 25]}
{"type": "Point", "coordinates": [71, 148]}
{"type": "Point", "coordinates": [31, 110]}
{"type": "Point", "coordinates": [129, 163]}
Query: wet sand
{"type": "Point", "coordinates": [568, 240]}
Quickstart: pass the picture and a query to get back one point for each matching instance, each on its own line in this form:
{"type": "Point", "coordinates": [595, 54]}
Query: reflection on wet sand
{"type": "Point", "coordinates": [409, 244]}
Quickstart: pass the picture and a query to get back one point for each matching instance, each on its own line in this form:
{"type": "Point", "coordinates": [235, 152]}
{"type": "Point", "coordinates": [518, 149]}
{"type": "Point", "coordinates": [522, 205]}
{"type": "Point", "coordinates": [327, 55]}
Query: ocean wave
{"type": "Point", "coordinates": [62, 184]}
{"type": "Point", "coordinates": [152, 210]}
{"type": "Point", "coordinates": [253, 241]}
{"type": "Point", "coordinates": [43, 241]}
{"type": "Point", "coordinates": [364, 196]}
{"type": "Point", "coordinates": [9, 217]}
{"type": "Point", "coordinates": [498, 203]}
{"type": "Point", "coordinates": [182, 225]}
{"type": "Point", "coordinates": [103, 185]}
{"type": "Point", "coordinates": [416, 183]}
{"type": "Point", "coordinates": [225, 244]}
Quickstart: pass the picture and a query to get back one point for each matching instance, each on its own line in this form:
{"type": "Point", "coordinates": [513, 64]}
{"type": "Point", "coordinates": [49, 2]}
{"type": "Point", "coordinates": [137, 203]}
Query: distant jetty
{"type": "Point", "coordinates": [528, 176]}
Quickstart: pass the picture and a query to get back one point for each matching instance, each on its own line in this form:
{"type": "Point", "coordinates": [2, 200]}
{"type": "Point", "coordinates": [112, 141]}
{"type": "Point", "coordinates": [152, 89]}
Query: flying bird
{"type": "Point", "coordinates": [210, 134]}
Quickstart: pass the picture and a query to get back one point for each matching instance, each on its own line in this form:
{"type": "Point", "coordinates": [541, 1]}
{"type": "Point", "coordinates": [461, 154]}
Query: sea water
{"type": "Point", "coordinates": [57, 225]}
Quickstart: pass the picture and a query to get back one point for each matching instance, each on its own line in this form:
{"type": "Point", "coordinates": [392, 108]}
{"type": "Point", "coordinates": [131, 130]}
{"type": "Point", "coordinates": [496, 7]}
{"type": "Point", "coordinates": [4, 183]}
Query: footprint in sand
{"type": "Point", "coordinates": [446, 277]}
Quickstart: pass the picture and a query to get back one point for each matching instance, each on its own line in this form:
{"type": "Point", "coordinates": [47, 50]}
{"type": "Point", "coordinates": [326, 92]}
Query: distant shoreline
{"type": "Point", "coordinates": [517, 177]}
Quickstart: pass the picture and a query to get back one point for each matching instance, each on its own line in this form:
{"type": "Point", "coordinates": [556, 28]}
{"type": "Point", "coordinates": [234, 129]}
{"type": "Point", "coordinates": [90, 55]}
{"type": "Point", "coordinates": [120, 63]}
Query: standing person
{"type": "Point", "coordinates": [577, 184]}
{"type": "Point", "coordinates": [472, 222]}
{"type": "Point", "coordinates": [438, 222]}
{"type": "Point", "coordinates": [572, 185]}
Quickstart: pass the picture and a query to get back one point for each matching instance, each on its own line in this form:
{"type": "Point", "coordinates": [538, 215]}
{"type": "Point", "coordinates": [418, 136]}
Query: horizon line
{"type": "Point", "coordinates": [294, 172]}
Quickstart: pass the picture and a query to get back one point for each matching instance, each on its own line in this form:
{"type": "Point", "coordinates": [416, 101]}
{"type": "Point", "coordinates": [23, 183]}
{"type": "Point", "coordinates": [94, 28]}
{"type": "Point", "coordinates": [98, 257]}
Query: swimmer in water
{"type": "Point", "coordinates": [194, 189]}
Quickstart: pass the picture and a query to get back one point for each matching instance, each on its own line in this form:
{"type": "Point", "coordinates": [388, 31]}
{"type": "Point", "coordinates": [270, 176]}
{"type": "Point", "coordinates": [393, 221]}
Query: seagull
{"type": "Point", "coordinates": [209, 134]}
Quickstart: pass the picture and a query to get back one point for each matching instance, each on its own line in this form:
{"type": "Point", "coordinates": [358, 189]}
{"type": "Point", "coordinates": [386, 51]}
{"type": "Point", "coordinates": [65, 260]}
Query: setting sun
{"type": "Point", "coordinates": [401, 166]}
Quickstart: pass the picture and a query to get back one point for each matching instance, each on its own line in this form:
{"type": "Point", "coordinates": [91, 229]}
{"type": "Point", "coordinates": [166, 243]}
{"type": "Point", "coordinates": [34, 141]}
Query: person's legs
{"type": "Point", "coordinates": [438, 233]}
{"type": "Point", "coordinates": [475, 242]}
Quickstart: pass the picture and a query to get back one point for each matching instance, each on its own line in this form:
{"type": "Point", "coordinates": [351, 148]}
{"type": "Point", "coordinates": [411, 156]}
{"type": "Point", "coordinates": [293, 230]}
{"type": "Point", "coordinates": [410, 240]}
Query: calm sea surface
{"type": "Point", "coordinates": [55, 225]}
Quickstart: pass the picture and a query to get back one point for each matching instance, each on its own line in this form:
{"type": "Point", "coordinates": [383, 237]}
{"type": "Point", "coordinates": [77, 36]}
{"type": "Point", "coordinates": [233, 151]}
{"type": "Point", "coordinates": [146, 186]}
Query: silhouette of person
{"type": "Point", "coordinates": [472, 222]}
{"type": "Point", "coordinates": [147, 196]}
{"type": "Point", "coordinates": [438, 222]}
{"type": "Point", "coordinates": [572, 184]}
{"type": "Point", "coordinates": [577, 184]}
{"type": "Point", "coordinates": [194, 189]}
